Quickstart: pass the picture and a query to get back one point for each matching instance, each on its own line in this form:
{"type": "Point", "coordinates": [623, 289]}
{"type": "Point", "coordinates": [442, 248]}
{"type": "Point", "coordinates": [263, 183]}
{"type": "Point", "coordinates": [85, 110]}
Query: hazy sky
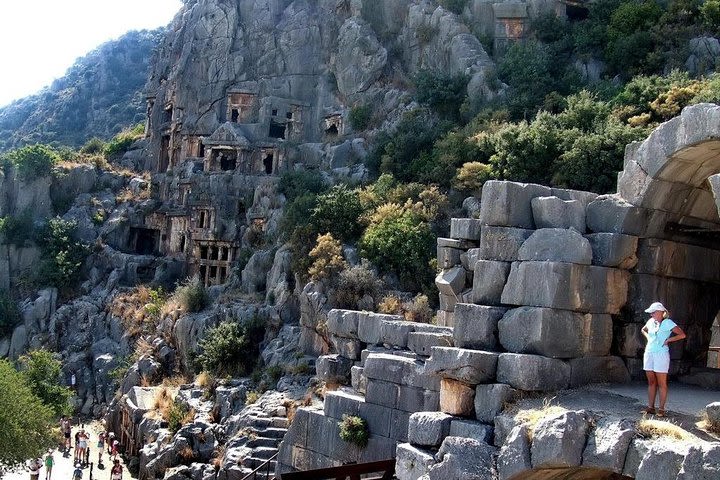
{"type": "Point", "coordinates": [40, 39]}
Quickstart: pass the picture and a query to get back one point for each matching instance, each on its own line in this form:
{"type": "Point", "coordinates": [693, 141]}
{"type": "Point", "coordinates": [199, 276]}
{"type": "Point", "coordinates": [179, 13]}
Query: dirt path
{"type": "Point", "coordinates": [64, 467]}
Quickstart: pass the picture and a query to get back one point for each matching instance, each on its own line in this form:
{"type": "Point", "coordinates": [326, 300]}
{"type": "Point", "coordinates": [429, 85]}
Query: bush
{"type": "Point", "coordinates": [178, 414]}
{"type": "Point", "coordinates": [327, 258]}
{"type": "Point", "coordinates": [121, 142]}
{"type": "Point", "coordinates": [337, 212]}
{"type": "Point", "coordinates": [17, 230]}
{"type": "Point", "coordinates": [43, 374]}
{"type": "Point", "coordinates": [192, 295]}
{"type": "Point", "coordinates": [353, 285]}
{"type": "Point", "coordinates": [472, 176]}
{"type": "Point", "coordinates": [231, 348]}
{"type": "Point", "coordinates": [302, 182]}
{"type": "Point", "coordinates": [9, 314]}
{"type": "Point", "coordinates": [33, 161]}
{"type": "Point", "coordinates": [710, 11]}
{"type": "Point", "coordinates": [93, 146]}
{"type": "Point", "coordinates": [360, 117]}
{"type": "Point", "coordinates": [416, 310]}
{"type": "Point", "coordinates": [62, 255]}
{"type": "Point", "coordinates": [443, 93]}
{"type": "Point", "coordinates": [354, 429]}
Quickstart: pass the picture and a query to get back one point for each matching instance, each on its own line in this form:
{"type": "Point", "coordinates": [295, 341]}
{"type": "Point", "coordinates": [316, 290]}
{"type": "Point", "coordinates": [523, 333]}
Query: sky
{"type": "Point", "coordinates": [41, 39]}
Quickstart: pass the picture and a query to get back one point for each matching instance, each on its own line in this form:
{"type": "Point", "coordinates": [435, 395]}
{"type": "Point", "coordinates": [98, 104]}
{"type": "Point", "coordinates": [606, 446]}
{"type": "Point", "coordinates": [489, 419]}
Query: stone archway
{"type": "Point", "coordinates": [672, 207]}
{"type": "Point", "coordinates": [569, 473]}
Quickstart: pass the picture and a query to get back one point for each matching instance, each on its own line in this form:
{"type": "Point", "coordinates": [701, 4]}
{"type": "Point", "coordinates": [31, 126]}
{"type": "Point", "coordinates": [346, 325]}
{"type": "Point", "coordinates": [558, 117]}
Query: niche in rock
{"type": "Point", "coordinates": [143, 241]}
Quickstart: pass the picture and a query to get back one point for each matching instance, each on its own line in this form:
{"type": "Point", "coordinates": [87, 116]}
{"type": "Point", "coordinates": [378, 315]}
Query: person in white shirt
{"type": "Point", "coordinates": [659, 331]}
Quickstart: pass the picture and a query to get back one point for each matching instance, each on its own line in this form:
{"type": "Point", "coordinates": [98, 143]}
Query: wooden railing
{"type": "Point", "coordinates": [347, 472]}
{"type": "Point", "coordinates": [264, 470]}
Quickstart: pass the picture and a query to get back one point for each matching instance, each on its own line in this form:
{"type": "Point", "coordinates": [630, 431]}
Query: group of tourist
{"type": "Point", "coordinates": [81, 453]}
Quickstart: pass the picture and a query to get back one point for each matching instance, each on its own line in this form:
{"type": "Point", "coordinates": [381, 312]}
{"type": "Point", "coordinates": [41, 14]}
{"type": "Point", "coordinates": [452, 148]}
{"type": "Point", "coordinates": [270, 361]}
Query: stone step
{"type": "Point", "coordinates": [264, 452]}
{"type": "Point", "coordinates": [254, 462]}
{"type": "Point", "coordinates": [273, 432]}
{"type": "Point", "coordinates": [280, 422]}
{"type": "Point", "coordinates": [260, 422]}
{"type": "Point", "coordinates": [263, 442]}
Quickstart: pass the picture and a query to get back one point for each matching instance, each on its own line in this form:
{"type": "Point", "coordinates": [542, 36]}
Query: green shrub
{"type": "Point", "coordinates": [9, 314]}
{"type": "Point", "coordinates": [43, 373]}
{"type": "Point", "coordinates": [62, 255]}
{"type": "Point", "coordinates": [354, 284]}
{"type": "Point", "coordinates": [231, 348]}
{"type": "Point", "coordinates": [93, 146]}
{"type": "Point", "coordinates": [472, 176]}
{"type": "Point", "coordinates": [176, 415]}
{"type": "Point", "coordinates": [301, 182]}
{"type": "Point", "coordinates": [337, 212]}
{"type": "Point", "coordinates": [18, 229]}
{"type": "Point", "coordinates": [425, 32]}
{"type": "Point", "coordinates": [443, 93]}
{"type": "Point", "coordinates": [192, 295]}
{"type": "Point", "coordinates": [360, 117]}
{"type": "Point", "coordinates": [354, 429]}
{"type": "Point", "coordinates": [121, 142]}
{"type": "Point", "coordinates": [33, 161]}
{"type": "Point", "coordinates": [327, 257]}
{"type": "Point", "coordinates": [710, 12]}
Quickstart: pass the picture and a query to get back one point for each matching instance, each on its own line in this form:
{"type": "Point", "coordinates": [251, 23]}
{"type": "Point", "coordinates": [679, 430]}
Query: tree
{"type": "Point", "coordinates": [26, 422]}
{"type": "Point", "coordinates": [43, 375]}
{"type": "Point", "coordinates": [33, 161]}
{"type": "Point", "coordinates": [337, 212]}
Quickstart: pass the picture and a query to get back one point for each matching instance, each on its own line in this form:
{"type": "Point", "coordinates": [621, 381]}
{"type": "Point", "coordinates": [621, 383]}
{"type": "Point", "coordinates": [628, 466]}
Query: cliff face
{"type": "Point", "coordinates": [98, 96]}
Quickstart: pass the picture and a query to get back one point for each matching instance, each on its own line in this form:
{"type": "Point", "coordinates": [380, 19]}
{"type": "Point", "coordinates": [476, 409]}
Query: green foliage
{"type": "Point", "coordinates": [354, 429]}
{"type": "Point", "coordinates": [62, 254]}
{"type": "Point", "coordinates": [398, 240]}
{"type": "Point", "coordinates": [121, 142]}
{"type": "Point", "coordinates": [443, 93]}
{"type": "Point", "coordinates": [472, 175]}
{"type": "Point", "coordinates": [176, 415]}
{"type": "Point", "coordinates": [354, 284]}
{"type": "Point", "coordinates": [455, 6]}
{"type": "Point", "coordinates": [26, 422]}
{"type": "Point", "coordinates": [93, 146]}
{"type": "Point", "coordinates": [156, 302]}
{"type": "Point", "coordinates": [192, 295]}
{"type": "Point", "coordinates": [231, 348]}
{"type": "Point", "coordinates": [18, 229]}
{"type": "Point", "coordinates": [33, 161]}
{"type": "Point", "coordinates": [43, 373]}
{"type": "Point", "coordinates": [360, 117]}
{"type": "Point", "coordinates": [337, 212]}
{"type": "Point", "coordinates": [327, 258]}
{"type": "Point", "coordinates": [298, 183]}
{"type": "Point", "coordinates": [9, 314]}
{"type": "Point", "coordinates": [710, 12]}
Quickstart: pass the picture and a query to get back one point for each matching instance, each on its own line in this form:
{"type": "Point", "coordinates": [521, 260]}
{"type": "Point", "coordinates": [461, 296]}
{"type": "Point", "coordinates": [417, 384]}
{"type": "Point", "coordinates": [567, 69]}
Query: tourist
{"type": "Point", "coordinates": [116, 470]}
{"type": "Point", "coordinates": [76, 451]}
{"type": "Point", "coordinates": [659, 331]}
{"type": "Point", "coordinates": [115, 450]}
{"type": "Point", "coordinates": [100, 447]}
{"type": "Point", "coordinates": [34, 466]}
{"type": "Point", "coordinates": [82, 445]}
{"type": "Point", "coordinates": [49, 462]}
{"type": "Point", "coordinates": [110, 439]}
{"type": "Point", "coordinates": [77, 474]}
{"type": "Point", "coordinates": [66, 430]}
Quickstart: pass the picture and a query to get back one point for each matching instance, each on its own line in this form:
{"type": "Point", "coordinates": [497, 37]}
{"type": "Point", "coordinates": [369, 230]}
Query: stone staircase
{"type": "Point", "coordinates": [265, 435]}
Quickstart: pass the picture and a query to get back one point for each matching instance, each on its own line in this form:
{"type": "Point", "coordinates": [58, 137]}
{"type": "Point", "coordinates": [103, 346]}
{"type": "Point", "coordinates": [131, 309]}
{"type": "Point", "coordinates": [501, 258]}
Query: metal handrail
{"type": "Point", "coordinates": [266, 465]}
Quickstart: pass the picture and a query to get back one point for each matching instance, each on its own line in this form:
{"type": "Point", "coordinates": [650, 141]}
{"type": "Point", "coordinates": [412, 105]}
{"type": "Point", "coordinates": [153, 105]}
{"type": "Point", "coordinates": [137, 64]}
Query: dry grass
{"type": "Point", "coordinates": [712, 428]}
{"type": "Point", "coordinates": [186, 453]}
{"type": "Point", "coordinates": [251, 397]}
{"type": "Point", "coordinates": [531, 417]}
{"type": "Point", "coordinates": [415, 310]}
{"type": "Point", "coordinates": [658, 428]}
{"type": "Point", "coordinates": [217, 456]}
{"type": "Point", "coordinates": [163, 401]}
{"type": "Point", "coordinates": [138, 309]}
{"type": "Point", "coordinates": [175, 381]}
{"type": "Point", "coordinates": [204, 379]}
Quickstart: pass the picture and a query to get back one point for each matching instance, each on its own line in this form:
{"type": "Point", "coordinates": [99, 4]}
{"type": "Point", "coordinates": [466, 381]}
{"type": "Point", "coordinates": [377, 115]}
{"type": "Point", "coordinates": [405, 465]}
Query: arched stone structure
{"type": "Point", "coordinates": [570, 473]}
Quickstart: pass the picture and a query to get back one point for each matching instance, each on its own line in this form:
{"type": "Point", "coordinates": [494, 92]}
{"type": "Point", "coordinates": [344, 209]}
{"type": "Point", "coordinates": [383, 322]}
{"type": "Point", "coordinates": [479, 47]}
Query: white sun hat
{"type": "Point", "coordinates": [656, 307]}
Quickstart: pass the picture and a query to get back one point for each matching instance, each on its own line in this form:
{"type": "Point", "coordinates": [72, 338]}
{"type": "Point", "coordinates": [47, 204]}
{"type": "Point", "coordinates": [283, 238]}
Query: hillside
{"type": "Point", "coordinates": [97, 97]}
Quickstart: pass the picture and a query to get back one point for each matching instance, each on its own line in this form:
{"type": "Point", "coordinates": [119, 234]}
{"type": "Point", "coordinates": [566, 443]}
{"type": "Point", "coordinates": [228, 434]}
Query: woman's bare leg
{"type": "Point", "coordinates": [663, 387]}
{"type": "Point", "coordinates": [652, 387]}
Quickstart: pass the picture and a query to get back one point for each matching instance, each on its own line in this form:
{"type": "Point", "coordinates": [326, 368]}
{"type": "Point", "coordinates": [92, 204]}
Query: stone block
{"type": "Point", "coordinates": [712, 411]}
{"type": "Point", "coordinates": [448, 257]}
{"type": "Point", "coordinates": [338, 403]}
{"type": "Point", "coordinates": [514, 455]}
{"type": "Point", "coordinates": [611, 213]}
{"type": "Point", "coordinates": [489, 279]}
{"type": "Point", "coordinates": [608, 444]}
{"type": "Point", "coordinates": [369, 326]}
{"type": "Point", "coordinates": [490, 400]}
{"type": "Point", "coordinates": [451, 282]}
{"type": "Point", "coordinates": [411, 399]}
{"type": "Point", "coordinates": [702, 462]}
{"type": "Point", "coordinates": [320, 430]}
{"type": "Point", "coordinates": [465, 228]}
{"type": "Point", "coordinates": [532, 372]}
{"type": "Point", "coordinates": [447, 302]}
{"type": "Point", "coordinates": [378, 448]}
{"type": "Point", "coordinates": [630, 341]}
{"type": "Point", "coordinates": [501, 243]}
{"type": "Point", "coordinates": [382, 393]}
{"type": "Point", "coordinates": [469, 257]}
{"type": "Point", "coordinates": [377, 417]}
{"type": "Point", "coordinates": [358, 379]}
{"type": "Point", "coordinates": [395, 333]}
{"type": "Point", "coordinates": [333, 369]}
{"type": "Point", "coordinates": [566, 286]}
{"type": "Point", "coordinates": [639, 447]}
{"type": "Point", "coordinates": [662, 462]}
{"type": "Point", "coordinates": [504, 424]}
{"type": "Point", "coordinates": [390, 368]}
{"type": "Point", "coordinates": [678, 260]}
{"type": "Point", "coordinates": [298, 431]}
{"type": "Point", "coordinates": [463, 458]}
{"type": "Point", "coordinates": [476, 326]}
{"type": "Point", "coordinates": [580, 195]}
{"type": "Point", "coordinates": [559, 440]}
{"type": "Point", "coordinates": [445, 319]}
{"type": "Point", "coordinates": [399, 425]}
{"type": "Point", "coordinates": [613, 250]}
{"type": "Point", "coordinates": [586, 370]}
{"type": "Point", "coordinates": [555, 333]}
{"type": "Point", "coordinates": [422, 342]}
{"type": "Point", "coordinates": [469, 366]}
{"type": "Point", "coordinates": [456, 398]}
{"type": "Point", "coordinates": [346, 347]}
{"type": "Point", "coordinates": [553, 212]}
{"type": "Point", "coordinates": [411, 462]}
{"type": "Point", "coordinates": [471, 429]}
{"type": "Point", "coordinates": [343, 323]}
{"type": "Point", "coordinates": [508, 204]}
{"type": "Point", "coordinates": [428, 429]}
{"type": "Point", "coordinates": [556, 245]}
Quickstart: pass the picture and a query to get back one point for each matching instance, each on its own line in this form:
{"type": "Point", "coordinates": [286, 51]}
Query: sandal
{"type": "Point", "coordinates": [660, 413]}
{"type": "Point", "coordinates": [648, 411]}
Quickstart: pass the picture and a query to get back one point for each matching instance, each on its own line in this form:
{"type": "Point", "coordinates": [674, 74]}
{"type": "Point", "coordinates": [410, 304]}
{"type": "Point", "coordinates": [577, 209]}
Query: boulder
{"type": "Point", "coordinates": [476, 326]}
{"type": "Point", "coordinates": [501, 243]}
{"type": "Point", "coordinates": [556, 245]}
{"type": "Point", "coordinates": [488, 281]}
{"type": "Point", "coordinates": [532, 372]}
{"type": "Point", "coordinates": [463, 459]}
{"type": "Point", "coordinates": [613, 249]}
{"type": "Point", "coordinates": [555, 333]}
{"type": "Point", "coordinates": [411, 462]}
{"type": "Point", "coordinates": [712, 412]}
{"type": "Point", "coordinates": [461, 427]}
{"type": "Point", "coordinates": [334, 369]}
{"type": "Point", "coordinates": [451, 282]}
{"type": "Point", "coordinates": [490, 400]}
{"type": "Point", "coordinates": [508, 204]}
{"type": "Point", "coordinates": [702, 462]}
{"type": "Point", "coordinates": [553, 212]}
{"type": "Point", "coordinates": [608, 444]}
{"type": "Point", "coordinates": [662, 462]}
{"type": "Point", "coordinates": [639, 447]}
{"type": "Point", "coordinates": [428, 428]}
{"type": "Point", "coordinates": [514, 455]}
{"type": "Point", "coordinates": [566, 286]}
{"type": "Point", "coordinates": [360, 59]}
{"type": "Point", "coordinates": [469, 366]}
{"type": "Point", "coordinates": [559, 440]}
{"type": "Point", "coordinates": [456, 398]}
